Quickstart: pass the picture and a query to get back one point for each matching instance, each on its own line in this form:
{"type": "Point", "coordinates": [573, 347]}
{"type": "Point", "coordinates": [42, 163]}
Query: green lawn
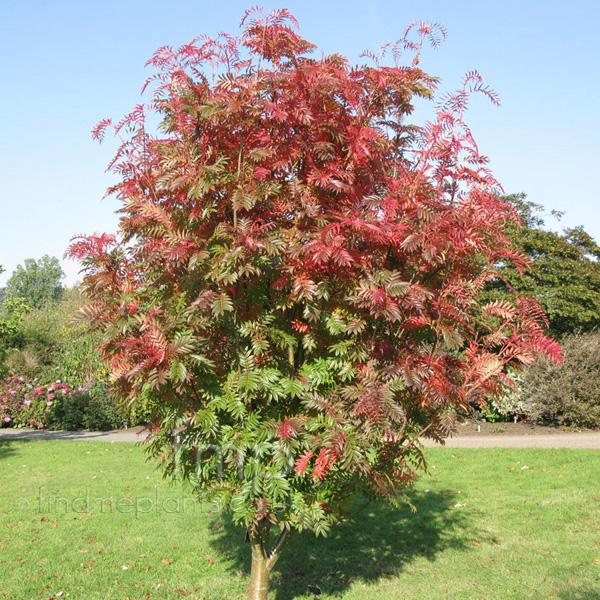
{"type": "Point", "coordinates": [494, 524]}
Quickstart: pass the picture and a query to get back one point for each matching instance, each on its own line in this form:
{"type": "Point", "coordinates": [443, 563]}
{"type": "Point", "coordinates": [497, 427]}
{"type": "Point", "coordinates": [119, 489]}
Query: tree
{"type": "Point", "coordinates": [44, 346]}
{"type": "Point", "coordinates": [11, 318]}
{"type": "Point", "coordinates": [2, 290]}
{"type": "Point", "coordinates": [563, 273]}
{"type": "Point", "coordinates": [297, 275]}
{"type": "Point", "coordinates": [38, 282]}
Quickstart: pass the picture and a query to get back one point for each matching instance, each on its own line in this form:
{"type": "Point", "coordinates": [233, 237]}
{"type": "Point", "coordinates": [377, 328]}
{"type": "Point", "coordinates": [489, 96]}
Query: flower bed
{"type": "Point", "coordinates": [26, 403]}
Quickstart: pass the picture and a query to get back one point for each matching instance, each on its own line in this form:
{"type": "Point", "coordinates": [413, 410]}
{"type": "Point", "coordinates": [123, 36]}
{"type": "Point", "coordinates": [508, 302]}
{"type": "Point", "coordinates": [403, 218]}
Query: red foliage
{"type": "Point", "coordinates": [302, 462]}
{"type": "Point", "coordinates": [290, 247]}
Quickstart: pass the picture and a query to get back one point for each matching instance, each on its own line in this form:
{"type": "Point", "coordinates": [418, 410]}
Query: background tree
{"type": "Point", "coordinates": [563, 274]}
{"type": "Point", "coordinates": [11, 318]}
{"type": "Point", "coordinates": [298, 275]}
{"type": "Point", "coordinates": [41, 335]}
{"type": "Point", "coordinates": [36, 281]}
{"type": "Point", "coordinates": [2, 290]}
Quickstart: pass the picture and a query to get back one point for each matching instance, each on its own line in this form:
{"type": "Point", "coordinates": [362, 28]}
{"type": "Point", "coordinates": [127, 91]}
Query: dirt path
{"type": "Point", "coordinates": [504, 435]}
{"type": "Point", "coordinates": [471, 434]}
{"type": "Point", "coordinates": [563, 440]}
{"type": "Point", "coordinates": [134, 434]}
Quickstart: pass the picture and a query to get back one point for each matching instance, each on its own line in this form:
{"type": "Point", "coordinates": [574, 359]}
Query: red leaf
{"type": "Point", "coordinates": [302, 462]}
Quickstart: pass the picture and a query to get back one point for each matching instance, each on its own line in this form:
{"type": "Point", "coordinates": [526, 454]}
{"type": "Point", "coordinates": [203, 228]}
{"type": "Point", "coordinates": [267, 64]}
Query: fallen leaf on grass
{"type": "Point", "coordinates": [166, 561]}
{"type": "Point", "coordinates": [476, 543]}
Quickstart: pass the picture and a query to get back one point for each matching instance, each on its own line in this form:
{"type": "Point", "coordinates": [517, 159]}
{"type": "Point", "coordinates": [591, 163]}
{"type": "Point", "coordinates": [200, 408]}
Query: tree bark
{"type": "Point", "coordinates": [259, 577]}
{"type": "Point", "coordinates": [263, 559]}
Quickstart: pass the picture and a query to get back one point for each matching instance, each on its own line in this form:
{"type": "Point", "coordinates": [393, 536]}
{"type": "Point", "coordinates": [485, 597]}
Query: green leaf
{"type": "Point", "coordinates": [221, 304]}
{"type": "Point", "coordinates": [178, 372]}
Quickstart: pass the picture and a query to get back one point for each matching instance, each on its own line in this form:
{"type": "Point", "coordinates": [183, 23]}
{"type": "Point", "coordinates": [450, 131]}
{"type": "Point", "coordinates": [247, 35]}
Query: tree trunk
{"type": "Point", "coordinates": [259, 576]}
{"type": "Point", "coordinates": [263, 559]}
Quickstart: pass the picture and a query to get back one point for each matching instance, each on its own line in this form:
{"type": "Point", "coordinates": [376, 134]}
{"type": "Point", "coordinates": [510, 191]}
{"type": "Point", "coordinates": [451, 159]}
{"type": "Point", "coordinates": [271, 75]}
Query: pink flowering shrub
{"type": "Point", "coordinates": [25, 403]}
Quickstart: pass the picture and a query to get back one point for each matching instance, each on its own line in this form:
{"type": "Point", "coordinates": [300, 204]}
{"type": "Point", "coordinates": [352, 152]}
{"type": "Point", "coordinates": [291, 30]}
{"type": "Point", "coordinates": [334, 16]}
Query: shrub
{"type": "Point", "coordinates": [492, 414]}
{"type": "Point", "coordinates": [69, 407]}
{"type": "Point", "coordinates": [568, 393]}
{"type": "Point", "coordinates": [26, 403]}
{"type": "Point", "coordinates": [510, 401]}
{"type": "Point", "coordinates": [101, 413]}
{"type": "Point", "coordinates": [30, 362]}
{"type": "Point", "coordinates": [18, 408]}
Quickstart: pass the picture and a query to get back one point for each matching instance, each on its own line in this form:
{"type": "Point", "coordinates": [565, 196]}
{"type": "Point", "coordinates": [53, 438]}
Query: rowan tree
{"type": "Point", "coordinates": [297, 274]}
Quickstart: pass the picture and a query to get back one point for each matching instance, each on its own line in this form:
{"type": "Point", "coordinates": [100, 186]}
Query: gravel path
{"type": "Point", "coordinates": [563, 440]}
{"type": "Point", "coordinates": [535, 439]}
{"type": "Point", "coordinates": [134, 434]}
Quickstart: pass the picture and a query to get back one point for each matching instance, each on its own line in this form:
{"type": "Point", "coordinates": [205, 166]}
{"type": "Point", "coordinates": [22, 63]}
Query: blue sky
{"type": "Point", "coordinates": [67, 64]}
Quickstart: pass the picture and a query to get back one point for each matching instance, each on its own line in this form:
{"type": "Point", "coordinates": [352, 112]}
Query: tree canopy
{"type": "Point", "coordinates": [563, 272]}
{"type": "Point", "coordinates": [298, 273]}
{"type": "Point", "coordinates": [2, 289]}
{"type": "Point", "coordinates": [37, 282]}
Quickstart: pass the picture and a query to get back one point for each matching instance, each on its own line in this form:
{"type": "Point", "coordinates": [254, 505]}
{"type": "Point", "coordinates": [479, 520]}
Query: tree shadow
{"type": "Point", "coordinates": [580, 593]}
{"type": "Point", "coordinates": [7, 449]}
{"type": "Point", "coordinates": [378, 544]}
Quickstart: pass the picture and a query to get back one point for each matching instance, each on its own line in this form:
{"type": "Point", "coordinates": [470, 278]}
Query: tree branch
{"type": "Point", "coordinates": [422, 432]}
{"type": "Point", "coordinates": [277, 548]}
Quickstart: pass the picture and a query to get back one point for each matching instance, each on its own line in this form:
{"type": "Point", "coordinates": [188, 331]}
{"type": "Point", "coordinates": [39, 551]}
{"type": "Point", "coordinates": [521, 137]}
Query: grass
{"type": "Point", "coordinates": [491, 524]}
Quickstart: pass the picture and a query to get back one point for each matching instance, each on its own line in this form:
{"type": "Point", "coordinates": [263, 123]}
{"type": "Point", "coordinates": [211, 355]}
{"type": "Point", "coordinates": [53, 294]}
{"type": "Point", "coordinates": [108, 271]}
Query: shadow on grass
{"type": "Point", "coordinates": [580, 593]}
{"type": "Point", "coordinates": [378, 544]}
{"type": "Point", "coordinates": [7, 449]}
